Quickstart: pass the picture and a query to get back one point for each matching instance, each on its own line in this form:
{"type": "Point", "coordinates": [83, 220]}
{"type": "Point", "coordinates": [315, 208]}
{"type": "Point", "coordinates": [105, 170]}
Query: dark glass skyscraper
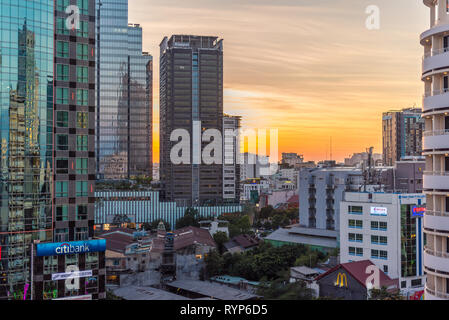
{"type": "Point", "coordinates": [26, 139]}
{"type": "Point", "coordinates": [191, 91]}
{"type": "Point", "coordinates": [124, 96]}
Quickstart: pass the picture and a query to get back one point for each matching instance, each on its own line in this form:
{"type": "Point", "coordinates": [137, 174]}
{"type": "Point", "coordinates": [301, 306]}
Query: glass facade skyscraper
{"type": "Point", "coordinates": [124, 105]}
{"type": "Point", "coordinates": [26, 139]}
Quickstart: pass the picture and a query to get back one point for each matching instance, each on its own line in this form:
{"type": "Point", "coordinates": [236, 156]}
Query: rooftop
{"type": "Point", "coordinates": [212, 290]}
{"type": "Point", "coordinates": [146, 293]}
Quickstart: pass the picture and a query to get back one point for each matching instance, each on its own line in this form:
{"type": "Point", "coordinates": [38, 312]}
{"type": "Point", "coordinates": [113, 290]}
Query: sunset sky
{"type": "Point", "coordinates": [307, 67]}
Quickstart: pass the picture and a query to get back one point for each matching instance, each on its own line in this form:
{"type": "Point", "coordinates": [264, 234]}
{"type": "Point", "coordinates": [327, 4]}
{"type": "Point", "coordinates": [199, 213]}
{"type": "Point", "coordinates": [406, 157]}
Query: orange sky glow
{"type": "Point", "coordinates": [311, 69]}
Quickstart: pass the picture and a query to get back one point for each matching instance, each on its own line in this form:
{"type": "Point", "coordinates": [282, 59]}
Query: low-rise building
{"type": "Point", "coordinates": [214, 226]}
{"type": "Point", "coordinates": [353, 281]}
{"type": "Point", "coordinates": [241, 243]}
{"type": "Point", "coordinates": [387, 229]}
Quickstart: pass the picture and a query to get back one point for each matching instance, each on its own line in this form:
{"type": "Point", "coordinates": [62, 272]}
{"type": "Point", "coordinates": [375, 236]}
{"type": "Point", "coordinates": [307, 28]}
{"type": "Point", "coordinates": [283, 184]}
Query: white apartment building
{"type": "Point", "coordinates": [385, 228]}
{"type": "Point", "coordinates": [435, 69]}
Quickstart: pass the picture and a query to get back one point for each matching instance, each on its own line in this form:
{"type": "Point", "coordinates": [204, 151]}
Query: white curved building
{"type": "Point", "coordinates": [435, 74]}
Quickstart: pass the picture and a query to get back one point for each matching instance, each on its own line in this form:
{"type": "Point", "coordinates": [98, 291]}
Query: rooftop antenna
{"type": "Point", "coordinates": [331, 149]}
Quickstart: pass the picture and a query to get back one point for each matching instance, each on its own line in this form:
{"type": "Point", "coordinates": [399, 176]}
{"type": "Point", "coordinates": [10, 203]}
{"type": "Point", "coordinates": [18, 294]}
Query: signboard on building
{"type": "Point", "coordinates": [379, 211]}
{"type": "Point", "coordinates": [74, 247]}
{"type": "Point", "coordinates": [71, 275]}
{"type": "Point", "coordinates": [85, 297]}
{"type": "Point", "coordinates": [418, 211]}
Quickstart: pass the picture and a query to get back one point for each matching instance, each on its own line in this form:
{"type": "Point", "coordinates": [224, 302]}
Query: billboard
{"type": "Point", "coordinates": [379, 211]}
{"type": "Point", "coordinates": [418, 211]}
{"type": "Point", "coordinates": [63, 248]}
{"type": "Point", "coordinates": [71, 275]}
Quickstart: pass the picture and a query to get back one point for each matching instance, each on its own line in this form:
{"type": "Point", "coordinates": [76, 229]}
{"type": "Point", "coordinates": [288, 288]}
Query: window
{"type": "Point", "coordinates": [61, 234]}
{"type": "Point", "coordinates": [416, 283]}
{"type": "Point", "coordinates": [383, 254]}
{"type": "Point", "coordinates": [375, 254]}
{"type": "Point", "coordinates": [62, 213]}
{"type": "Point", "coordinates": [379, 240]}
{"type": "Point", "coordinates": [81, 165]}
{"type": "Point", "coordinates": [82, 143]}
{"type": "Point", "coordinates": [83, 30]}
{"type": "Point", "coordinates": [378, 225]}
{"type": "Point", "coordinates": [61, 189]}
{"type": "Point", "coordinates": [81, 189]}
{"type": "Point", "coordinates": [81, 234]}
{"type": "Point", "coordinates": [82, 120]}
{"type": "Point", "coordinates": [385, 268]}
{"type": "Point", "coordinates": [355, 224]}
{"type": "Point", "coordinates": [61, 27]}
{"type": "Point", "coordinates": [62, 95]}
{"type": "Point", "coordinates": [382, 226]}
{"type": "Point", "coordinates": [62, 49]}
{"type": "Point", "coordinates": [355, 237]}
{"type": "Point", "coordinates": [62, 166]}
{"type": "Point", "coordinates": [82, 51]}
{"type": "Point", "coordinates": [82, 97]}
{"type": "Point", "coordinates": [62, 72]}
{"type": "Point", "coordinates": [403, 284]}
{"type": "Point", "coordinates": [82, 74]}
{"type": "Point", "coordinates": [62, 119]}
{"type": "Point", "coordinates": [81, 212]}
{"type": "Point", "coordinates": [355, 209]}
{"type": "Point", "coordinates": [355, 251]}
{"type": "Point", "coordinates": [83, 5]}
{"type": "Point", "coordinates": [62, 142]}
{"type": "Point", "coordinates": [61, 5]}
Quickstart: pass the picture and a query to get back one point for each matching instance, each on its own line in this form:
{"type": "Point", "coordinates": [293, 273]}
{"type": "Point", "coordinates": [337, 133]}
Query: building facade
{"type": "Point", "coordinates": [74, 109]}
{"type": "Point", "coordinates": [231, 158]}
{"type": "Point", "coordinates": [320, 193]}
{"type": "Point", "coordinates": [435, 67]}
{"type": "Point", "coordinates": [385, 228]}
{"type": "Point", "coordinates": [26, 138]}
{"type": "Point", "coordinates": [401, 134]}
{"type": "Point", "coordinates": [124, 95]}
{"type": "Point", "coordinates": [191, 100]}
{"type": "Point", "coordinates": [146, 207]}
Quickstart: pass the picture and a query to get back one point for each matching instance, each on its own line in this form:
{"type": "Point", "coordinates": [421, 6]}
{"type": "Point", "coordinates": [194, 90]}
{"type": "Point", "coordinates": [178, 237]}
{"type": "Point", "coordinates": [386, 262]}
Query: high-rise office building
{"type": "Point", "coordinates": [401, 134]}
{"type": "Point", "coordinates": [47, 143]}
{"type": "Point", "coordinates": [26, 138]}
{"type": "Point", "coordinates": [191, 98]}
{"type": "Point", "coordinates": [124, 95]}
{"type": "Point", "coordinates": [435, 68]}
{"type": "Point", "coordinates": [231, 157]}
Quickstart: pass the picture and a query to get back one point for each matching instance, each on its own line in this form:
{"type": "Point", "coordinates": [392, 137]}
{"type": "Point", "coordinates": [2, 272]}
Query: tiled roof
{"type": "Point", "coordinates": [184, 237]}
{"type": "Point", "coordinates": [357, 270]}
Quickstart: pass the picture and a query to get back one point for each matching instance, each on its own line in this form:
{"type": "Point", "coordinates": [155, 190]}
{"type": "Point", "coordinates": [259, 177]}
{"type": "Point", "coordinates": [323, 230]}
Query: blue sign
{"type": "Point", "coordinates": [62, 248]}
{"type": "Point", "coordinates": [418, 211]}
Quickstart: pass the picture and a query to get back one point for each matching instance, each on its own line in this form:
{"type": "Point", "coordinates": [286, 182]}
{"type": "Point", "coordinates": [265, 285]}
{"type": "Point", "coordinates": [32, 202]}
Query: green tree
{"type": "Point", "coordinates": [220, 239]}
{"type": "Point", "coordinates": [214, 264]}
{"type": "Point", "coordinates": [191, 218]}
{"type": "Point", "coordinates": [384, 294]}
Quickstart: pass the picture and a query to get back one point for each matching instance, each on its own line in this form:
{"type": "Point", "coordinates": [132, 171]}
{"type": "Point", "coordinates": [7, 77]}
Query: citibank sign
{"type": "Point", "coordinates": [62, 248]}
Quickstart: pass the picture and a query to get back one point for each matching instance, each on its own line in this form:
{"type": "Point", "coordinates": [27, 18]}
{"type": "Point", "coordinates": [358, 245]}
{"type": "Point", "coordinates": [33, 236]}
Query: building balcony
{"type": "Point", "coordinates": [437, 59]}
{"type": "Point", "coordinates": [438, 261]}
{"type": "Point", "coordinates": [435, 295]}
{"type": "Point", "coordinates": [438, 180]}
{"type": "Point", "coordinates": [437, 139]}
{"type": "Point", "coordinates": [437, 99]}
{"type": "Point", "coordinates": [437, 222]}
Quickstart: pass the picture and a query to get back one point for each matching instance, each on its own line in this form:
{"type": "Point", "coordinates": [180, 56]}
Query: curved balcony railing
{"type": "Point", "coordinates": [437, 213]}
{"type": "Point", "coordinates": [435, 253]}
{"type": "Point", "coordinates": [440, 132]}
{"type": "Point", "coordinates": [438, 294]}
{"type": "Point", "coordinates": [435, 52]}
{"type": "Point", "coordinates": [436, 173]}
{"type": "Point", "coordinates": [435, 92]}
